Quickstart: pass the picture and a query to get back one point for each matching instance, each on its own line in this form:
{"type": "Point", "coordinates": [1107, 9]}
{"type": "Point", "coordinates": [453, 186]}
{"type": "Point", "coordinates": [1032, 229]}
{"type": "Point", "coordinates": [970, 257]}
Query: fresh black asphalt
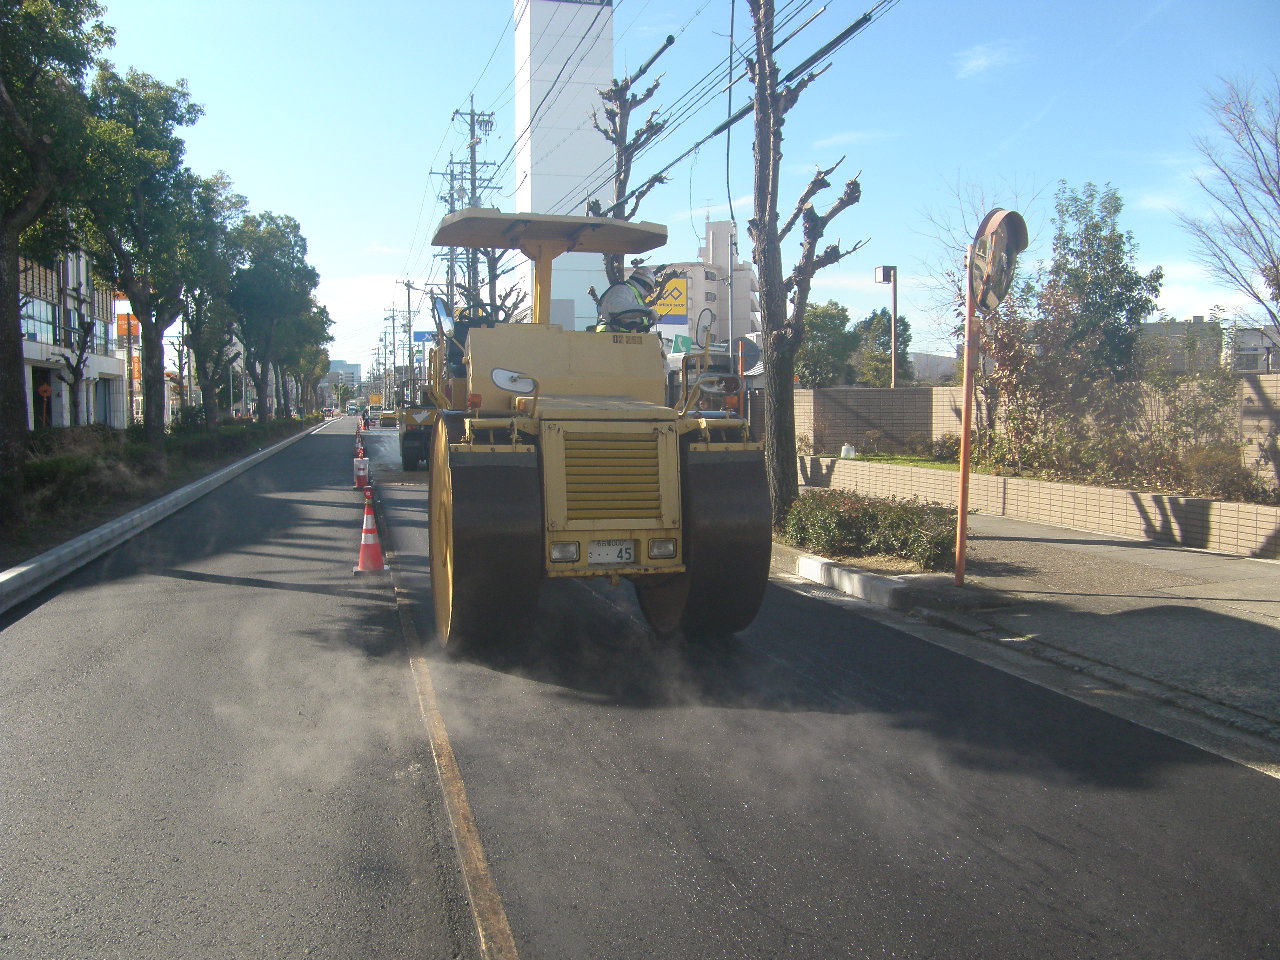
{"type": "Point", "coordinates": [212, 748]}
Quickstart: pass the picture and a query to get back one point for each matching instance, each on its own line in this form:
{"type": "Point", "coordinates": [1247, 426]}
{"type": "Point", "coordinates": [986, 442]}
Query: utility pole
{"type": "Point", "coordinates": [478, 124]}
{"type": "Point", "coordinates": [450, 197]}
{"type": "Point", "coordinates": [409, 290]}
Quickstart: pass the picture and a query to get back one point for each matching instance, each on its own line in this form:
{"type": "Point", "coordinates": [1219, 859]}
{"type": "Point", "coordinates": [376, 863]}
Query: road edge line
{"type": "Point", "coordinates": [493, 931]}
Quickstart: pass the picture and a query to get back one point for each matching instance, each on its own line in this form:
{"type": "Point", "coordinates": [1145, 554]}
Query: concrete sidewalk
{"type": "Point", "coordinates": [1196, 629]}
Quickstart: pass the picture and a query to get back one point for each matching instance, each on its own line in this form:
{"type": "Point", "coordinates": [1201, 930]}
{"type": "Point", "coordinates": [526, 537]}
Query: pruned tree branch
{"type": "Point", "coordinates": [816, 186]}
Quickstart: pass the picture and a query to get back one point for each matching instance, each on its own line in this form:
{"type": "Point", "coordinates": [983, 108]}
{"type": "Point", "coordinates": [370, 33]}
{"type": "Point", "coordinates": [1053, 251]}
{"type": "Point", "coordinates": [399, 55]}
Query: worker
{"type": "Point", "coordinates": [623, 309]}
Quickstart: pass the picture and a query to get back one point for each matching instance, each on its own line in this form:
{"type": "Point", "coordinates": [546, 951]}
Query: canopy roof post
{"type": "Point", "coordinates": [543, 254]}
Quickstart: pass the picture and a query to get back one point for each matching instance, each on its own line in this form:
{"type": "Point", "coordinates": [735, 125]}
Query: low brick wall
{"type": "Point", "coordinates": [1236, 528]}
{"type": "Point", "coordinates": [833, 416]}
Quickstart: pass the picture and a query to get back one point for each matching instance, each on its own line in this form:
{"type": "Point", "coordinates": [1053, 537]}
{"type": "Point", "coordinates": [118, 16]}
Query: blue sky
{"type": "Point", "coordinates": [335, 113]}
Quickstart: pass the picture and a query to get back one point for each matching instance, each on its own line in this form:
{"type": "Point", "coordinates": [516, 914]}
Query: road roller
{"type": "Point", "coordinates": [556, 453]}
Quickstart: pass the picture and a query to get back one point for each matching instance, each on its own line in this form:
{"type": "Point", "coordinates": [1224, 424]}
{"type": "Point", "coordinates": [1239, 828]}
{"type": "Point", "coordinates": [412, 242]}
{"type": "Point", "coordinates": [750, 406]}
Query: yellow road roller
{"type": "Point", "coordinates": [555, 453]}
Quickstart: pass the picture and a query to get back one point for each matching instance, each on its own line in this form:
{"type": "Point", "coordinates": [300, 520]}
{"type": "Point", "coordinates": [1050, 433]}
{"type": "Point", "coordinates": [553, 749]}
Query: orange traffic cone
{"type": "Point", "coordinates": [370, 548]}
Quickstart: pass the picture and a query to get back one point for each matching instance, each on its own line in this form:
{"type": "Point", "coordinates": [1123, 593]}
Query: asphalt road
{"type": "Point", "coordinates": [827, 786]}
{"type": "Point", "coordinates": [212, 748]}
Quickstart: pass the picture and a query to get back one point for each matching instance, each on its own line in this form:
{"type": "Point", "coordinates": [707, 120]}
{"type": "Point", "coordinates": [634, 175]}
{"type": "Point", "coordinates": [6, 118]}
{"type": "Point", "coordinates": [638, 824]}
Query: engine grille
{"type": "Point", "coordinates": [612, 476]}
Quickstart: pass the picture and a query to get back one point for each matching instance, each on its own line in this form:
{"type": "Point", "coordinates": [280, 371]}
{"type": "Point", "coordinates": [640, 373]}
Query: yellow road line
{"type": "Point", "coordinates": [492, 929]}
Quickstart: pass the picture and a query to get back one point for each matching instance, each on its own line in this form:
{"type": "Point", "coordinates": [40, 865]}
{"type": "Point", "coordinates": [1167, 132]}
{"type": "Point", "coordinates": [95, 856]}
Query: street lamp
{"type": "Point", "coordinates": [890, 275]}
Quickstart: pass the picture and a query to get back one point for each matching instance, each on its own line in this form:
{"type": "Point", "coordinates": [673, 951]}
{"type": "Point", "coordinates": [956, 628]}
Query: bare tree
{"type": "Point", "coordinates": [77, 341]}
{"type": "Point", "coordinates": [619, 103]}
{"type": "Point", "coordinates": [783, 328]}
{"type": "Point", "coordinates": [1240, 240]}
{"type": "Point", "coordinates": [503, 305]}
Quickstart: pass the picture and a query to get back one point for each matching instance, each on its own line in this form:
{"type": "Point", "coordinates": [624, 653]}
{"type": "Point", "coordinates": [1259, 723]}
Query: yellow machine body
{"type": "Point", "coordinates": [555, 454]}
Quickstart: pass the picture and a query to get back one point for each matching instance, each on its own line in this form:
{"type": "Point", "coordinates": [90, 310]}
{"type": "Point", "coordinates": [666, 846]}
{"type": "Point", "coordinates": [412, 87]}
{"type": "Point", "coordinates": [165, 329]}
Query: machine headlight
{"type": "Point", "coordinates": [565, 552]}
{"type": "Point", "coordinates": [662, 549]}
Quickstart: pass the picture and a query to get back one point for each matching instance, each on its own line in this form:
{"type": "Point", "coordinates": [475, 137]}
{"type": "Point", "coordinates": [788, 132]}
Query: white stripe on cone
{"type": "Point", "coordinates": [370, 549]}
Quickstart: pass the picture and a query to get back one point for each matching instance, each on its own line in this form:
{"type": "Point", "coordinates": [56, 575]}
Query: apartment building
{"type": "Point", "coordinates": [715, 296]}
{"type": "Point", "coordinates": [68, 314]}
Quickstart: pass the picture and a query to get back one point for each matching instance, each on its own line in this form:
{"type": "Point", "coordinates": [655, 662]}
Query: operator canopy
{"type": "Point", "coordinates": [475, 227]}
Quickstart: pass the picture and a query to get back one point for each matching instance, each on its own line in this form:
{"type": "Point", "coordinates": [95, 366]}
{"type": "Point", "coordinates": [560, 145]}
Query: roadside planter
{"type": "Point", "coordinates": [1242, 529]}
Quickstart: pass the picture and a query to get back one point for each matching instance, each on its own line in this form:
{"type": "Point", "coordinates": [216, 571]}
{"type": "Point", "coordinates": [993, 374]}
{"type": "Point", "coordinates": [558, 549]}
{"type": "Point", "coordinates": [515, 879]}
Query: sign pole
{"type": "Point", "coordinates": [966, 426]}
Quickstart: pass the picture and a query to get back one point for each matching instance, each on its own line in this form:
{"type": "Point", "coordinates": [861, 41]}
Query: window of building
{"type": "Point", "coordinates": [39, 321]}
{"type": "Point", "coordinates": [711, 297]}
{"type": "Point", "coordinates": [711, 276]}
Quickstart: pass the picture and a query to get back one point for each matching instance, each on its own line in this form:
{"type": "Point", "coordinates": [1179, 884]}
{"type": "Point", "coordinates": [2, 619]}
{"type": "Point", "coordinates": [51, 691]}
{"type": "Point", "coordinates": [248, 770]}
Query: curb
{"type": "Point", "coordinates": [902, 593]}
{"type": "Point", "coordinates": [25, 580]}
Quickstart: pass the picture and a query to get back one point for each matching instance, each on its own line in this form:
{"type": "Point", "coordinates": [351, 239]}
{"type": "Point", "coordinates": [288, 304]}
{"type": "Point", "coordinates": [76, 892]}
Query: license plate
{"type": "Point", "coordinates": [611, 551]}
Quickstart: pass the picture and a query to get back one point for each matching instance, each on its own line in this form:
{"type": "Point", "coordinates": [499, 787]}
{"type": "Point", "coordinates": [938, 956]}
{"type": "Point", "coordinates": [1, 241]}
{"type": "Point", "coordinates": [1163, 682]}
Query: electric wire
{"type": "Point", "coordinates": [554, 88]}
{"type": "Point", "coordinates": [828, 49]}
{"type": "Point", "coordinates": [683, 108]}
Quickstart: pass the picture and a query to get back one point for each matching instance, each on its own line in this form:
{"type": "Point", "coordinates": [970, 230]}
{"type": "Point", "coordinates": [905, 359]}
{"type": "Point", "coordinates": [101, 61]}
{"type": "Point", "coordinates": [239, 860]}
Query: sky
{"type": "Point", "coordinates": [337, 113]}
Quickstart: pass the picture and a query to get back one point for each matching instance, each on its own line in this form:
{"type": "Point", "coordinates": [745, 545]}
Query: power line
{"type": "Point", "coordinates": [553, 87]}
{"type": "Point", "coordinates": [826, 50]}
{"type": "Point", "coordinates": [682, 109]}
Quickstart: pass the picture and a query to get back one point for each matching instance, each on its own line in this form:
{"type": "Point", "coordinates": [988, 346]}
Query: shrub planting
{"type": "Point", "coordinates": [74, 471]}
{"type": "Point", "coordinates": [841, 523]}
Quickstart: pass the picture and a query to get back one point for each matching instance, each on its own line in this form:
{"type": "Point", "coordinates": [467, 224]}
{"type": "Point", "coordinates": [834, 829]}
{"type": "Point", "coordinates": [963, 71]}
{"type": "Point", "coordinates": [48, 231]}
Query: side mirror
{"type": "Point", "coordinates": [715, 384]}
{"type": "Point", "coordinates": [512, 381]}
{"type": "Point", "coordinates": [441, 310]}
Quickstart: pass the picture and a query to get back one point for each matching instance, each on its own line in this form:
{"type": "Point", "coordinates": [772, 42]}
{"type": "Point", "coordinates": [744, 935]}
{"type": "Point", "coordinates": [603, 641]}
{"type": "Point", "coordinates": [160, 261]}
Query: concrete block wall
{"type": "Point", "coordinates": [802, 405]}
{"type": "Point", "coordinates": [834, 416]}
{"type": "Point", "coordinates": [1260, 423]}
{"type": "Point", "coordinates": [1242, 529]}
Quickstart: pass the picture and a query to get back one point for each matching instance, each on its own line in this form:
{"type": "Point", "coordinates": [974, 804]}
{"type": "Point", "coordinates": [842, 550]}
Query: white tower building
{"type": "Point", "coordinates": [564, 56]}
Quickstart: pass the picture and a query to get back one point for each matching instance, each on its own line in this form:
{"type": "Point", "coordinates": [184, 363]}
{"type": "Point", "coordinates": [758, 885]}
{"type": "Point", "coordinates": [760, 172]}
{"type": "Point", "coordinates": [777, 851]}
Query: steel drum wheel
{"type": "Point", "coordinates": [486, 545]}
{"type": "Point", "coordinates": [440, 536]}
{"type": "Point", "coordinates": [728, 540]}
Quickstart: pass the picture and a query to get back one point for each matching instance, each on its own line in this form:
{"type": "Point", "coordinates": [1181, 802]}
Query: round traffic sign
{"type": "Point", "coordinates": [1001, 236]}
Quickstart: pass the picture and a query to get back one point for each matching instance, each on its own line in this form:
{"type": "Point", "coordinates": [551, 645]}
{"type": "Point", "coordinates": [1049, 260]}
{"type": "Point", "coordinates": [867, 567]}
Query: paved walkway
{"type": "Point", "coordinates": [1198, 629]}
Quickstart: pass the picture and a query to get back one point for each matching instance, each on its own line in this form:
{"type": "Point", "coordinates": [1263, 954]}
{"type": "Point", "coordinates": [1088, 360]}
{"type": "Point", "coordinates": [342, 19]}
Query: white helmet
{"type": "Point", "coordinates": [643, 276]}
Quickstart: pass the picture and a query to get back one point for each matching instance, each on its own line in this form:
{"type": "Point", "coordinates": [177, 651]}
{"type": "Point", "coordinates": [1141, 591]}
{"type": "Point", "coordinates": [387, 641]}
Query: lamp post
{"type": "Point", "coordinates": [890, 275]}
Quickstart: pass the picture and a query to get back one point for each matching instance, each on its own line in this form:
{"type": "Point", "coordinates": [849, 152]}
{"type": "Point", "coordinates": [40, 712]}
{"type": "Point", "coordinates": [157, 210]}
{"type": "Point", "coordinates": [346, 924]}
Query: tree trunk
{"type": "Point", "coordinates": [780, 431]}
{"type": "Point", "coordinates": [73, 390]}
{"type": "Point", "coordinates": [209, 397]}
{"type": "Point", "coordinates": [13, 395]}
{"type": "Point", "coordinates": [258, 374]}
{"type": "Point", "coordinates": [286, 409]}
{"type": "Point", "coordinates": [153, 385]}
{"type": "Point", "coordinates": [779, 346]}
